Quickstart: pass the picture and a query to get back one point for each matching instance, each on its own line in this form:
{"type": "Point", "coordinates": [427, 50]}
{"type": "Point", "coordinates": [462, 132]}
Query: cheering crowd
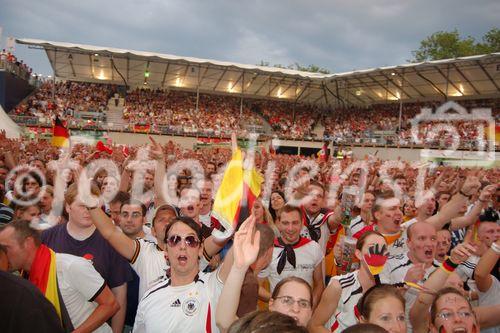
{"type": "Point", "coordinates": [177, 111]}
{"type": "Point", "coordinates": [325, 245]}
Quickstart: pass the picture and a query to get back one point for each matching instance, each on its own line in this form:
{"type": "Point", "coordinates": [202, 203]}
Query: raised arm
{"type": "Point", "coordinates": [156, 152]}
{"type": "Point", "coordinates": [469, 219]}
{"type": "Point", "coordinates": [487, 262]}
{"type": "Point", "coordinates": [326, 308]}
{"type": "Point", "coordinates": [245, 251]}
{"type": "Point", "coordinates": [419, 312]}
{"type": "Point", "coordinates": [118, 240]}
{"type": "Point", "coordinates": [451, 209]}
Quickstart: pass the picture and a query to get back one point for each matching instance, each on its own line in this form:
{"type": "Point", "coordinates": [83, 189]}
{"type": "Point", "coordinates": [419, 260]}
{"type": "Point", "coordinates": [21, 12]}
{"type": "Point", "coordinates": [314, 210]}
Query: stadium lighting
{"type": "Point", "coordinates": [393, 73]}
{"type": "Point", "coordinates": [358, 92]}
{"type": "Point", "coordinates": [146, 74]}
{"type": "Point", "coordinates": [96, 54]}
{"type": "Point", "coordinates": [101, 75]}
{"type": "Point", "coordinates": [279, 93]}
{"type": "Point", "coordinates": [178, 82]}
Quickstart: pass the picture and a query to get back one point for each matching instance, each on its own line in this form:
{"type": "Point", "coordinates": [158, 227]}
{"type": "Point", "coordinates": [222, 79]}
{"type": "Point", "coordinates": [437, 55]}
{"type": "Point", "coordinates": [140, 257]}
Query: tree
{"type": "Point", "coordinates": [445, 45]}
{"type": "Point", "coordinates": [491, 42]}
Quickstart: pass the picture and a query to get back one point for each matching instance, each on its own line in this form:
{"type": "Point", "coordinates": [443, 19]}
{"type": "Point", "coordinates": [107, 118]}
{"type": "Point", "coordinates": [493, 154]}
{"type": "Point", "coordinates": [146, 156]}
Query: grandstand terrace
{"type": "Point", "coordinates": [165, 94]}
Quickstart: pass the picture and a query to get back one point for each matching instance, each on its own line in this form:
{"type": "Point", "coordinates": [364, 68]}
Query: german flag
{"type": "Point", "coordinates": [43, 274]}
{"type": "Point", "coordinates": [236, 194]}
{"type": "Point", "coordinates": [60, 134]}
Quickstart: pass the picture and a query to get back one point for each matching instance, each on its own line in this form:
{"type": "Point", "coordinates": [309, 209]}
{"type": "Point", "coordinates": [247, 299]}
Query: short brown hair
{"type": "Point", "coordinates": [284, 281]}
{"type": "Point", "coordinates": [367, 301]}
{"type": "Point", "coordinates": [23, 230]}
{"type": "Point", "coordinates": [266, 322]}
{"type": "Point", "coordinates": [288, 209]}
{"type": "Point", "coordinates": [266, 238]}
{"type": "Point", "coordinates": [441, 293]}
{"type": "Point", "coordinates": [72, 192]}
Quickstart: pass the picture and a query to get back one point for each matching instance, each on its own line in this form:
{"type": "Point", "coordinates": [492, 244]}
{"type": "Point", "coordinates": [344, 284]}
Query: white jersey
{"type": "Point", "coordinates": [345, 314]}
{"type": "Point", "coordinates": [79, 284]}
{"type": "Point", "coordinates": [206, 219]}
{"type": "Point", "coordinates": [187, 309]}
{"type": "Point", "coordinates": [308, 255]}
{"type": "Point", "coordinates": [356, 225]}
{"type": "Point", "coordinates": [320, 226]}
{"type": "Point", "coordinates": [150, 264]}
{"type": "Point", "coordinates": [395, 271]}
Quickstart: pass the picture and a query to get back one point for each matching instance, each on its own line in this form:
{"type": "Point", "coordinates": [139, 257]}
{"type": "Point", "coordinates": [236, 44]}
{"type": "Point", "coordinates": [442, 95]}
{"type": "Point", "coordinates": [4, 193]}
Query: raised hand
{"type": "Point", "coordinates": [415, 274]}
{"type": "Point", "coordinates": [155, 150]}
{"type": "Point", "coordinates": [471, 185]}
{"type": "Point", "coordinates": [461, 252]}
{"type": "Point", "coordinates": [246, 244]}
{"type": "Point", "coordinates": [487, 192]}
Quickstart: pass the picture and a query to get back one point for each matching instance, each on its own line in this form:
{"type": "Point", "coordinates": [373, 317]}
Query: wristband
{"type": "Point", "coordinates": [495, 248]}
{"type": "Point", "coordinates": [465, 195]}
{"type": "Point", "coordinates": [448, 266]}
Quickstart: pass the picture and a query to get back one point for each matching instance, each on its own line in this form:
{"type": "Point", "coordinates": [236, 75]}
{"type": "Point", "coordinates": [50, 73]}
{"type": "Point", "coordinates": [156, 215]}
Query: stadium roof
{"type": "Point", "coordinates": [465, 77]}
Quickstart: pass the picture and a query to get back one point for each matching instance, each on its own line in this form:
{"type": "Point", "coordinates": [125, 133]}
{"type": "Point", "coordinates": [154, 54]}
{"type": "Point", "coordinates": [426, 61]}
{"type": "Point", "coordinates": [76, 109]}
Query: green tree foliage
{"type": "Point", "coordinates": [445, 45]}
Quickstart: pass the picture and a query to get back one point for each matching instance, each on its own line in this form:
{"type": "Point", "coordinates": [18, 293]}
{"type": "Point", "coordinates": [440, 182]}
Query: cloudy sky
{"type": "Point", "coordinates": [338, 35]}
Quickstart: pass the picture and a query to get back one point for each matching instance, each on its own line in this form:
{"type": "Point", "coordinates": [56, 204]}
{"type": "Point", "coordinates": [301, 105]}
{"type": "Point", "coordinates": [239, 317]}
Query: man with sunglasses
{"type": "Point", "coordinates": [187, 299]}
{"type": "Point", "coordinates": [146, 257]}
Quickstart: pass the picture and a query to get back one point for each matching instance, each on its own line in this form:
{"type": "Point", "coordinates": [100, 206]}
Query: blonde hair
{"type": "Point", "coordinates": [72, 192]}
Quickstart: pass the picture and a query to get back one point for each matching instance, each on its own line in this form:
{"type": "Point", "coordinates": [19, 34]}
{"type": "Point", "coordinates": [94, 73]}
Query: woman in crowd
{"type": "Point", "coordinates": [384, 306]}
{"type": "Point", "coordinates": [291, 296]}
{"type": "Point", "coordinates": [277, 201]}
{"type": "Point", "coordinates": [336, 309]}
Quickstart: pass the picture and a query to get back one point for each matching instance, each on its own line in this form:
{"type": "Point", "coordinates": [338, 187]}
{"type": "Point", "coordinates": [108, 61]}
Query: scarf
{"type": "Point", "coordinates": [288, 253]}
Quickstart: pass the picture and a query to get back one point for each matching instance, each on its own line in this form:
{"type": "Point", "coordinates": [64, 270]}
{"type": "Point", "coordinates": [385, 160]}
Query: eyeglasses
{"type": "Point", "coordinates": [290, 301]}
{"type": "Point", "coordinates": [190, 241]}
{"type": "Point", "coordinates": [447, 315]}
{"type": "Point", "coordinates": [134, 215]}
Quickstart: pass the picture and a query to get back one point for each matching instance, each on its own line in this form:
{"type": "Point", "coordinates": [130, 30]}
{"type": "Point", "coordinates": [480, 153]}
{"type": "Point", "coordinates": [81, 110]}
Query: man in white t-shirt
{"type": "Point", "coordinates": [294, 255]}
{"type": "Point", "coordinates": [187, 299]}
{"type": "Point", "coordinates": [88, 300]}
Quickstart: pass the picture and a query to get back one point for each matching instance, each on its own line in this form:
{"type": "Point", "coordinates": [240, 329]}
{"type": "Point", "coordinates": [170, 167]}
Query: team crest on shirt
{"type": "Point", "coordinates": [190, 306]}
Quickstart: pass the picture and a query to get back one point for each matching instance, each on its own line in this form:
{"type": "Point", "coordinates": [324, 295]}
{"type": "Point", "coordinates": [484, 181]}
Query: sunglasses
{"type": "Point", "coordinates": [190, 241]}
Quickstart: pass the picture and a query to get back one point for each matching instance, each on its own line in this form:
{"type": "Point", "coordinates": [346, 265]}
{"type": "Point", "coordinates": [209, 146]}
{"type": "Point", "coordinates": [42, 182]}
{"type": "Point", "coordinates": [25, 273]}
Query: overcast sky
{"type": "Point", "coordinates": [338, 35]}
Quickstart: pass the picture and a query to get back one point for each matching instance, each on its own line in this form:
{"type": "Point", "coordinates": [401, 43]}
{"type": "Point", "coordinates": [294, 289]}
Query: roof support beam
{"type": "Point", "coordinates": [325, 94]}
{"type": "Point", "coordinates": [466, 79]}
{"type": "Point", "coordinates": [432, 84]}
{"type": "Point", "coordinates": [410, 85]}
{"type": "Point", "coordinates": [289, 86]}
{"type": "Point", "coordinates": [165, 75]}
{"type": "Point", "coordinates": [128, 69]}
{"type": "Point", "coordinates": [185, 74]}
{"type": "Point", "coordinates": [488, 75]}
{"type": "Point", "coordinates": [91, 67]}
{"type": "Point", "coordinates": [333, 94]}
{"type": "Point", "coordinates": [249, 84]}
{"type": "Point", "coordinates": [236, 82]}
{"type": "Point", "coordinates": [395, 85]}
{"type": "Point", "coordinates": [302, 92]}
{"type": "Point", "coordinates": [220, 79]}
{"type": "Point", "coordinates": [381, 85]}
{"type": "Point", "coordinates": [263, 84]}
{"type": "Point", "coordinates": [368, 96]}
{"type": "Point", "coordinates": [112, 69]}
{"type": "Point", "coordinates": [447, 78]}
{"type": "Point", "coordinates": [277, 85]}
{"type": "Point", "coordinates": [202, 77]}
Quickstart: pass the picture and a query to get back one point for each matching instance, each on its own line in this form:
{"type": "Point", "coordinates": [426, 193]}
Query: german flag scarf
{"type": "Point", "coordinates": [43, 274]}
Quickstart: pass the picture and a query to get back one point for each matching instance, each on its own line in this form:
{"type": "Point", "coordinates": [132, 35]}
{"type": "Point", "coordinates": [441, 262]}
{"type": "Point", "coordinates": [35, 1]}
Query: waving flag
{"type": "Point", "coordinates": [235, 197]}
{"type": "Point", "coordinates": [60, 134]}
